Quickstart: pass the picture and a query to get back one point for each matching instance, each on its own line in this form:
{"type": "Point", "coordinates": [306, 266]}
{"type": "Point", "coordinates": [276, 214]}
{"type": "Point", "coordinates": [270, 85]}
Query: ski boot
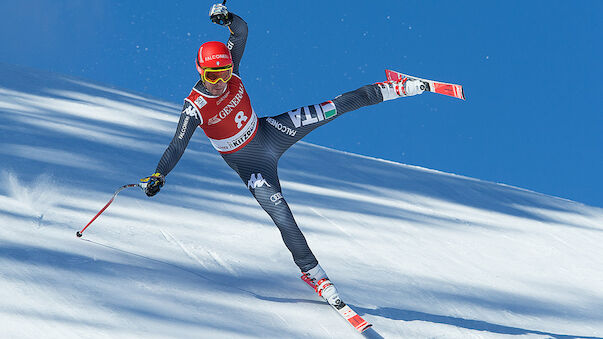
{"type": "Point", "coordinates": [403, 88]}
{"type": "Point", "coordinates": [318, 280]}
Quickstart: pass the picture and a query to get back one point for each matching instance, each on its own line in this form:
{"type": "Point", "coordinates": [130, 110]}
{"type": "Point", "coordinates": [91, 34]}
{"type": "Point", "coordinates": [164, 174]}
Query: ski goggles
{"type": "Point", "coordinates": [213, 75]}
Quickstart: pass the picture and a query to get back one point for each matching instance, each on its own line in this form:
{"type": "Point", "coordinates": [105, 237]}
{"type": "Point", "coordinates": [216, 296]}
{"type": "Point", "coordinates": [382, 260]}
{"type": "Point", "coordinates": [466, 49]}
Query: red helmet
{"type": "Point", "coordinates": [213, 54]}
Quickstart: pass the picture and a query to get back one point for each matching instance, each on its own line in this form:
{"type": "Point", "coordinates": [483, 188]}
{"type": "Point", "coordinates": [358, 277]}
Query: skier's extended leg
{"type": "Point", "coordinates": [292, 126]}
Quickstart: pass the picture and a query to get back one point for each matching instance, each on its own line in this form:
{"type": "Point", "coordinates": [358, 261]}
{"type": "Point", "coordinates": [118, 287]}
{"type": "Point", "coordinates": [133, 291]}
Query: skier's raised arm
{"type": "Point", "coordinates": [238, 32]}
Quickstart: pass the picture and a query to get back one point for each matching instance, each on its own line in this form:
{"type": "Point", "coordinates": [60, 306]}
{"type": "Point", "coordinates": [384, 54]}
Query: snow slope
{"type": "Point", "coordinates": [419, 253]}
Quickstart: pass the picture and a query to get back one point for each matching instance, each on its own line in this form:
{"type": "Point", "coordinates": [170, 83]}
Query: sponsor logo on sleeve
{"type": "Point", "coordinates": [191, 111]}
{"type": "Point", "coordinates": [279, 126]}
{"type": "Point", "coordinates": [184, 127]}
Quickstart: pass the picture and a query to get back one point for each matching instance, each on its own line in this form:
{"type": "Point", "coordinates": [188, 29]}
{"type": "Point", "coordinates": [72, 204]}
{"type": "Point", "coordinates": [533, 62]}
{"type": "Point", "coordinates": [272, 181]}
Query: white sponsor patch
{"type": "Point", "coordinates": [200, 101]}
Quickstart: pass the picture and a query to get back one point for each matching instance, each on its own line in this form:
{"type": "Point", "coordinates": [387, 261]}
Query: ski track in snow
{"type": "Point", "coordinates": [214, 257]}
{"type": "Point", "coordinates": [170, 238]}
{"type": "Point", "coordinates": [417, 252]}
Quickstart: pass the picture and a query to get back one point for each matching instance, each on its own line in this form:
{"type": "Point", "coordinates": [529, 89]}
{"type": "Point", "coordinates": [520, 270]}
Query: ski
{"type": "Point", "coordinates": [444, 88]}
{"type": "Point", "coordinates": [351, 316]}
{"type": "Point", "coordinates": [317, 279]}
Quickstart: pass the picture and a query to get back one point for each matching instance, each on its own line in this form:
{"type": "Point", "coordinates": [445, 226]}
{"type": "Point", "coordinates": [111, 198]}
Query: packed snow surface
{"type": "Point", "coordinates": [417, 252]}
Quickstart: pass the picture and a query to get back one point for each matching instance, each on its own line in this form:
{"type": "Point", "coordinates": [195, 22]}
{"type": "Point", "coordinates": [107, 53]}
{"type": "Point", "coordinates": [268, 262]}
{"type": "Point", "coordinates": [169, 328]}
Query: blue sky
{"type": "Point", "coordinates": [531, 72]}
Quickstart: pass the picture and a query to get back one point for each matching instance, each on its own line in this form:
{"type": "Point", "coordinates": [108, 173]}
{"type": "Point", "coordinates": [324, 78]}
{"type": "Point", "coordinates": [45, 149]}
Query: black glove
{"type": "Point", "coordinates": [151, 185]}
{"type": "Point", "coordinates": [219, 14]}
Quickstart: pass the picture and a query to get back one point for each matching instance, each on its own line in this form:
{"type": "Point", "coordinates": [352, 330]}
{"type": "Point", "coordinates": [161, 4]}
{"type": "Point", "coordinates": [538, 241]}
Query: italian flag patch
{"type": "Point", "coordinates": [328, 109]}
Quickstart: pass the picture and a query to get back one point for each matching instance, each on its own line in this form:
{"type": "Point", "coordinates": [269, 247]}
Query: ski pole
{"type": "Point", "coordinates": [79, 233]}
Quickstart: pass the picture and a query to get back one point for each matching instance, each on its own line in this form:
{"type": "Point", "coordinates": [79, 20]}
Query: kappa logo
{"type": "Point", "coordinates": [190, 111]}
{"type": "Point", "coordinates": [256, 181]}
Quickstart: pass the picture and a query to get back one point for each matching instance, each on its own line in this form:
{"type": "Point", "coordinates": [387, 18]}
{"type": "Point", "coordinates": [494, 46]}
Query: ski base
{"type": "Point", "coordinates": [453, 90]}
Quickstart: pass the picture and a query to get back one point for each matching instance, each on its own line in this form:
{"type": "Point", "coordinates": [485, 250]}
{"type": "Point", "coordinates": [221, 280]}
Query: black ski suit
{"type": "Point", "coordinates": [256, 163]}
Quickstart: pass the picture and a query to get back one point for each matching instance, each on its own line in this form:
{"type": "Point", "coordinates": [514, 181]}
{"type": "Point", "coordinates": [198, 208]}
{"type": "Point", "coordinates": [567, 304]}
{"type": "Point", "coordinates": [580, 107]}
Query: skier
{"type": "Point", "coordinates": [252, 146]}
